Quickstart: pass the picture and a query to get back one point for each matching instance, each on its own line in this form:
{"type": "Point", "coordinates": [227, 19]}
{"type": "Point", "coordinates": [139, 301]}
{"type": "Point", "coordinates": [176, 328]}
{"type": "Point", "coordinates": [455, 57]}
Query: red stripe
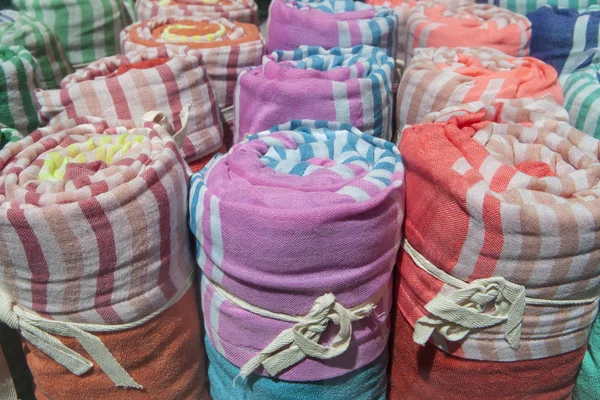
{"type": "Point", "coordinates": [67, 103]}
{"type": "Point", "coordinates": [232, 73]}
{"type": "Point", "coordinates": [40, 274]}
{"type": "Point", "coordinates": [107, 259]}
{"type": "Point", "coordinates": [119, 99]}
{"type": "Point", "coordinates": [164, 227]}
{"type": "Point", "coordinates": [168, 78]}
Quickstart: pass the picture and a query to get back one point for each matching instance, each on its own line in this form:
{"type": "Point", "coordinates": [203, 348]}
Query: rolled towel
{"type": "Point", "coordinates": [8, 135]}
{"type": "Point", "coordinates": [564, 37]}
{"type": "Point", "coordinates": [440, 78]}
{"type": "Point", "coordinates": [331, 23]}
{"type": "Point", "coordinates": [527, 6]}
{"type": "Point", "coordinates": [19, 29]}
{"type": "Point", "coordinates": [226, 47]}
{"type": "Point", "coordinates": [233, 10]}
{"type": "Point", "coordinates": [87, 29]}
{"type": "Point", "coordinates": [327, 202]}
{"type": "Point", "coordinates": [126, 87]}
{"type": "Point", "coordinates": [18, 79]}
{"type": "Point", "coordinates": [366, 383]}
{"type": "Point", "coordinates": [436, 24]}
{"type": "Point", "coordinates": [93, 222]}
{"type": "Point", "coordinates": [345, 85]}
{"type": "Point", "coordinates": [499, 261]}
{"type": "Point", "coordinates": [582, 99]}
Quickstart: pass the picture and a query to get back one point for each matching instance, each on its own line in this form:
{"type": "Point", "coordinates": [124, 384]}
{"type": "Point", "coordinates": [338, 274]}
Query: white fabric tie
{"type": "Point", "coordinates": [39, 332]}
{"type": "Point", "coordinates": [300, 341]}
{"type": "Point", "coordinates": [480, 304]}
{"type": "Point", "coordinates": [159, 118]}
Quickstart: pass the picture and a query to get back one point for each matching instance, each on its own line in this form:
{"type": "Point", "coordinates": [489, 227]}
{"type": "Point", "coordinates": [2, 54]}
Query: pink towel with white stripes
{"type": "Point", "coordinates": [437, 24]}
{"type": "Point", "coordinates": [444, 77]}
{"type": "Point", "coordinates": [126, 87]}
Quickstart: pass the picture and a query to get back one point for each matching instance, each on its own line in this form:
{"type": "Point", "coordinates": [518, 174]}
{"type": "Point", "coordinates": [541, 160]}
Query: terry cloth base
{"type": "Point", "coordinates": [582, 99]}
{"type": "Point", "coordinates": [367, 383]}
{"type": "Point", "coordinates": [233, 10]}
{"type": "Point", "coordinates": [165, 356]}
{"type": "Point", "coordinates": [564, 37]}
{"type": "Point", "coordinates": [226, 47]}
{"type": "Point", "coordinates": [329, 24]}
{"type": "Point", "coordinates": [17, 28]}
{"type": "Point", "coordinates": [588, 380]}
{"type": "Point", "coordinates": [436, 24]}
{"type": "Point", "coordinates": [18, 79]}
{"type": "Point", "coordinates": [87, 29]}
{"type": "Point", "coordinates": [426, 372]}
{"type": "Point", "coordinates": [126, 87]}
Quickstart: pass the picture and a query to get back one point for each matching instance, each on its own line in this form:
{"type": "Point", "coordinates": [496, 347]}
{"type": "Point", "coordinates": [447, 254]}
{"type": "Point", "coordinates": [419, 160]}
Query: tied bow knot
{"type": "Point", "coordinates": [483, 303]}
{"type": "Point", "coordinates": [296, 343]}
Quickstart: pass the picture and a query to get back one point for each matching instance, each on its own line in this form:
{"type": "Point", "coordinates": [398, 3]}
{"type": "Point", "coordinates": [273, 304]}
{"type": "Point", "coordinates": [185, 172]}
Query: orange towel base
{"type": "Point", "coordinates": [166, 356]}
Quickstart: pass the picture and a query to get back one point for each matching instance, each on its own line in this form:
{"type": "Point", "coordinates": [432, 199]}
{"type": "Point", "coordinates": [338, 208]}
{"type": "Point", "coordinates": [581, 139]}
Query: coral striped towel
{"type": "Point", "coordinates": [527, 6]}
{"type": "Point", "coordinates": [18, 79]}
{"type": "Point", "coordinates": [582, 99]}
{"type": "Point", "coordinates": [366, 383]}
{"type": "Point", "coordinates": [88, 29]}
{"type": "Point", "coordinates": [227, 47]}
{"type": "Point", "coordinates": [126, 87]}
{"type": "Point", "coordinates": [439, 78]}
{"type": "Point", "coordinates": [299, 183]}
{"type": "Point", "coordinates": [331, 23]}
{"type": "Point", "coordinates": [346, 85]}
{"type": "Point", "coordinates": [501, 243]}
{"type": "Point", "coordinates": [565, 38]}
{"type": "Point", "coordinates": [93, 219]}
{"type": "Point", "coordinates": [233, 10]}
{"type": "Point", "coordinates": [20, 29]}
{"type": "Point", "coordinates": [436, 24]}
{"type": "Point", "coordinates": [8, 135]}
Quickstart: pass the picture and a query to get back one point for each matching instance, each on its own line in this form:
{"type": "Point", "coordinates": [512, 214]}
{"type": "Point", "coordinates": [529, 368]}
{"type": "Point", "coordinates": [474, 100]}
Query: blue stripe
{"type": "Point", "coordinates": [299, 169]}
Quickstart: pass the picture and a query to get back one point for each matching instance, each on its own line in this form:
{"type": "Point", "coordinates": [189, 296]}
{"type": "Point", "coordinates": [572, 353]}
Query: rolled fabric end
{"type": "Point", "coordinates": [446, 77]}
{"type": "Point", "coordinates": [233, 10]}
{"type": "Point", "coordinates": [226, 47]}
{"type": "Point", "coordinates": [314, 83]}
{"type": "Point", "coordinates": [127, 86]}
{"type": "Point", "coordinates": [331, 23]}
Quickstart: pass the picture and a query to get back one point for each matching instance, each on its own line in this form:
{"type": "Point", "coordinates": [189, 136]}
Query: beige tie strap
{"type": "Point", "coordinates": [300, 341]}
{"type": "Point", "coordinates": [158, 117]}
{"type": "Point", "coordinates": [39, 332]}
{"type": "Point", "coordinates": [480, 304]}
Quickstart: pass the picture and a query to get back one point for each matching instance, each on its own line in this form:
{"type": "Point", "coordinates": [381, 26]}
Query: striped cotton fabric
{"type": "Point", "coordinates": [178, 82]}
{"type": "Point", "coordinates": [438, 24]}
{"type": "Point", "coordinates": [582, 99]}
{"type": "Point", "coordinates": [565, 38]}
{"type": "Point", "coordinates": [88, 30]}
{"type": "Point", "coordinates": [331, 23]}
{"type": "Point", "coordinates": [19, 29]}
{"type": "Point", "coordinates": [445, 77]}
{"type": "Point", "coordinates": [18, 80]}
{"type": "Point", "coordinates": [224, 57]}
{"type": "Point", "coordinates": [510, 190]}
{"type": "Point", "coordinates": [8, 135]}
{"type": "Point", "coordinates": [346, 85]}
{"type": "Point", "coordinates": [527, 6]}
{"type": "Point", "coordinates": [233, 10]}
{"type": "Point", "coordinates": [94, 230]}
{"type": "Point", "coordinates": [301, 182]}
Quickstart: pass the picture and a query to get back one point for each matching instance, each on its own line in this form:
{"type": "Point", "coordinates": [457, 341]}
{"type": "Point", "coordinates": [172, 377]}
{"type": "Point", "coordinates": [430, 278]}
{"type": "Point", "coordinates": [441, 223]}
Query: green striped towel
{"type": "Point", "coordinates": [8, 135]}
{"type": "Point", "coordinates": [18, 80]}
{"type": "Point", "coordinates": [582, 99]}
{"type": "Point", "coordinates": [88, 29]}
{"type": "Point", "coordinates": [20, 29]}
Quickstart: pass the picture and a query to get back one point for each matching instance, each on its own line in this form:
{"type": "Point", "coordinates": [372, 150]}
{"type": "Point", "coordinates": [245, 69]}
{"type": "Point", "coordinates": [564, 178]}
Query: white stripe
{"type": "Point", "coordinates": [216, 239]}
{"type": "Point", "coordinates": [354, 192]}
{"type": "Point", "coordinates": [340, 98]}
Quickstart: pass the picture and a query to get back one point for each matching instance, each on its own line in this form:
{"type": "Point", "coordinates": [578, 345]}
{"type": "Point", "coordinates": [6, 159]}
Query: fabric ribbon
{"type": "Point", "coordinates": [300, 341]}
{"type": "Point", "coordinates": [480, 304]}
{"type": "Point", "coordinates": [39, 332]}
{"type": "Point", "coordinates": [159, 118]}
